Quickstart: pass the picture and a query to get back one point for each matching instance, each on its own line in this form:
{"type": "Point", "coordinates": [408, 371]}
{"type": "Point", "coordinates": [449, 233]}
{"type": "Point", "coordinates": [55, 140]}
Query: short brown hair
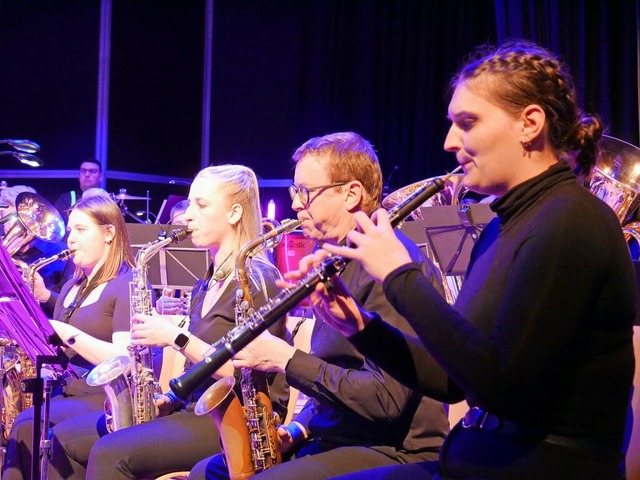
{"type": "Point", "coordinates": [351, 157]}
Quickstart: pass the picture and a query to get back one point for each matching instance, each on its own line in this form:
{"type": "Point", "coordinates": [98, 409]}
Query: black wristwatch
{"type": "Point", "coordinates": [181, 340]}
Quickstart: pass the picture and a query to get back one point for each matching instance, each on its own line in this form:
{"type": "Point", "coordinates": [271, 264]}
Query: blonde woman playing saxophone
{"type": "Point", "coordinates": [92, 318]}
{"type": "Point", "coordinates": [223, 215]}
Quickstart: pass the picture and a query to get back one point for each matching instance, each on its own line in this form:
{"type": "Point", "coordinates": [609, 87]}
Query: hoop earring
{"type": "Point", "coordinates": [526, 145]}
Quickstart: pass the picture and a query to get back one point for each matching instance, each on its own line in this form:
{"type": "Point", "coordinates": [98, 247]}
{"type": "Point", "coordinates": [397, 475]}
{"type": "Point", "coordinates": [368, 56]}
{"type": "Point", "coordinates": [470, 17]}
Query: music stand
{"type": "Point", "coordinates": [20, 314]}
{"type": "Point", "coordinates": [451, 232]}
{"type": "Point", "coordinates": [177, 266]}
{"type": "Point", "coordinates": [24, 322]}
{"type": "Point", "coordinates": [448, 233]}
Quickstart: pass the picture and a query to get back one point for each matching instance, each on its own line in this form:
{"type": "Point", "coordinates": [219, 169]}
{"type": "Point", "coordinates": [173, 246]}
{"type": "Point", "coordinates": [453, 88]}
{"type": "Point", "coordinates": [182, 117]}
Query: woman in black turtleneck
{"type": "Point", "coordinates": [539, 341]}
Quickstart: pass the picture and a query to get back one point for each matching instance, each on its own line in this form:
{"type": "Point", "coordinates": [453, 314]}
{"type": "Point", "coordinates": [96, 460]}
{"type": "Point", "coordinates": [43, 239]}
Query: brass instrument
{"type": "Point", "coordinates": [13, 400]}
{"type": "Point", "coordinates": [616, 181]}
{"type": "Point", "coordinates": [17, 365]}
{"type": "Point", "coordinates": [240, 336]}
{"type": "Point", "coordinates": [249, 433]}
{"type": "Point", "coordinates": [33, 218]}
{"type": "Point", "coordinates": [130, 401]}
{"type": "Point", "coordinates": [452, 194]}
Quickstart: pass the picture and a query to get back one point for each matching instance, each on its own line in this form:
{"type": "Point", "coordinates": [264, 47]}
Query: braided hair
{"type": "Point", "coordinates": [519, 73]}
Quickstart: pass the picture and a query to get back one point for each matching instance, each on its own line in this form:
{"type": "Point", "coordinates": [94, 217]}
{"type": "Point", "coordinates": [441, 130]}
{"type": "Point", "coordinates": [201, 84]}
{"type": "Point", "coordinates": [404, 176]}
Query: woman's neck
{"type": "Point", "coordinates": [91, 272]}
{"type": "Point", "coordinates": [222, 254]}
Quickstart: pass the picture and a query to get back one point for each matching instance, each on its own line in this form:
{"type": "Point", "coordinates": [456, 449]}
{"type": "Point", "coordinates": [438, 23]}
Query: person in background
{"type": "Point", "coordinates": [90, 192]}
{"type": "Point", "coordinates": [224, 215]}
{"type": "Point", "coordinates": [177, 213]}
{"type": "Point", "coordinates": [357, 415]}
{"type": "Point", "coordinates": [91, 175]}
{"type": "Point", "coordinates": [539, 341]}
{"type": "Point", "coordinates": [92, 318]}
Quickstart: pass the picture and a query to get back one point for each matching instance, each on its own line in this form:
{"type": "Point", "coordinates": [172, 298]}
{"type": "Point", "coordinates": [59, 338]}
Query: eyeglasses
{"type": "Point", "coordinates": [90, 171]}
{"type": "Point", "coordinates": [303, 192]}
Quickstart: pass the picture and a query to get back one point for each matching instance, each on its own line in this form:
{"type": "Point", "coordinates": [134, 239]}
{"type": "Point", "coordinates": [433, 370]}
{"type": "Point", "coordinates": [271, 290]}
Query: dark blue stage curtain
{"type": "Point", "coordinates": [283, 71]}
{"type": "Point", "coordinates": [598, 41]}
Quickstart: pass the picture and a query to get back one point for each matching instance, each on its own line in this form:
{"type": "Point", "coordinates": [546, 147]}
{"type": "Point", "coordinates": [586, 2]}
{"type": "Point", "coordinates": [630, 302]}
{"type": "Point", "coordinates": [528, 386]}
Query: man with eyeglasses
{"type": "Point", "coordinates": [91, 176]}
{"type": "Point", "coordinates": [357, 416]}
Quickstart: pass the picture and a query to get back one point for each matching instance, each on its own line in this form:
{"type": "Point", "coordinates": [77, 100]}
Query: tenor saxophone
{"type": "Point", "coordinates": [249, 434]}
{"type": "Point", "coordinates": [130, 401]}
{"type": "Point", "coordinates": [239, 337]}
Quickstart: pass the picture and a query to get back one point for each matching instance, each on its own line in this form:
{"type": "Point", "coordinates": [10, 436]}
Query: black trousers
{"type": "Point", "coordinates": [319, 466]}
{"type": "Point", "coordinates": [17, 464]}
{"type": "Point", "coordinates": [483, 455]}
{"type": "Point", "coordinates": [82, 449]}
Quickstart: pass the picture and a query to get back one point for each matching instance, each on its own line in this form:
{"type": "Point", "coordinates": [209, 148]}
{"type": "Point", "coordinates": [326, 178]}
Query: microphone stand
{"type": "Point", "coordinates": [125, 211]}
{"type": "Point", "coordinates": [41, 390]}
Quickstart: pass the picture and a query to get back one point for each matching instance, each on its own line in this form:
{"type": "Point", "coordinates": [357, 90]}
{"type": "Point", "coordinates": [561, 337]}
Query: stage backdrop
{"type": "Point", "coordinates": [281, 71]}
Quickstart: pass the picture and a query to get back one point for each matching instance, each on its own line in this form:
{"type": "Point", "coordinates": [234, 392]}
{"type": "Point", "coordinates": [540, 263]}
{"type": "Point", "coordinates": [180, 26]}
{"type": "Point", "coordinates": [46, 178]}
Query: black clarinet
{"type": "Point", "coordinates": [239, 337]}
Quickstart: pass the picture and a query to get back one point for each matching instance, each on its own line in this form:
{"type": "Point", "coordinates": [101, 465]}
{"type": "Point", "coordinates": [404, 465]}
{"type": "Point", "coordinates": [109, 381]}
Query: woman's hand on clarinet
{"type": "Point", "coordinates": [374, 244]}
{"type": "Point", "coordinates": [164, 405]}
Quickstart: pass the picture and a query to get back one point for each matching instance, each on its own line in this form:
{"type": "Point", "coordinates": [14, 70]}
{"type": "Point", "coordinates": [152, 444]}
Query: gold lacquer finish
{"type": "Point", "coordinates": [616, 176]}
{"type": "Point", "coordinates": [451, 194]}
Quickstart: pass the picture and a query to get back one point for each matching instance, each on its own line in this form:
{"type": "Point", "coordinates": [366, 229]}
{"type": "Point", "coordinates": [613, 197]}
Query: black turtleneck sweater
{"type": "Point", "coordinates": [541, 332]}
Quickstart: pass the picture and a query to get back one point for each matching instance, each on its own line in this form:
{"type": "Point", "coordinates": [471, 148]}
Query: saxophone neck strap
{"type": "Point", "coordinates": [85, 289]}
{"type": "Point", "coordinates": [218, 274]}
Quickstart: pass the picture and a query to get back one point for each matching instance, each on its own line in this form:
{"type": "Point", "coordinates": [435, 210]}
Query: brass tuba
{"type": "Point", "coordinates": [616, 181]}
{"type": "Point", "coordinates": [248, 433]}
{"type": "Point", "coordinates": [34, 218]}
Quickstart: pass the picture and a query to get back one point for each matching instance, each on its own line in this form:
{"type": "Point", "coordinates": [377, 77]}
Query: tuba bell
{"type": "Point", "coordinates": [34, 218]}
{"type": "Point", "coordinates": [616, 176]}
{"type": "Point", "coordinates": [616, 181]}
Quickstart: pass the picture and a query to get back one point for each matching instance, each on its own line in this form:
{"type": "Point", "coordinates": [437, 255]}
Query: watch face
{"type": "Point", "coordinates": [181, 340]}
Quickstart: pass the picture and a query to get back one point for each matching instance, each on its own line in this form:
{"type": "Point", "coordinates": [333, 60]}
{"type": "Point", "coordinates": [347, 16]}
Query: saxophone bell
{"type": "Point", "coordinates": [112, 376]}
{"type": "Point", "coordinates": [222, 404]}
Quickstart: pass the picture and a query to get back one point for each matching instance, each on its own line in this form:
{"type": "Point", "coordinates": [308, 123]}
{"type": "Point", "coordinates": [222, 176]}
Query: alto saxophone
{"type": "Point", "coordinates": [130, 401]}
{"type": "Point", "coordinates": [249, 433]}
